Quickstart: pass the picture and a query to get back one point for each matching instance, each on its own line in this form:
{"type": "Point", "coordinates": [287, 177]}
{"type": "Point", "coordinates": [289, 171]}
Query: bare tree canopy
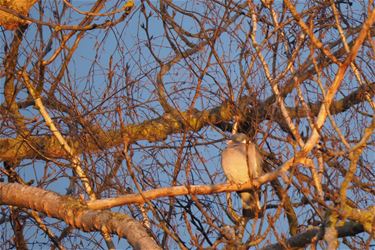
{"type": "Point", "coordinates": [114, 115]}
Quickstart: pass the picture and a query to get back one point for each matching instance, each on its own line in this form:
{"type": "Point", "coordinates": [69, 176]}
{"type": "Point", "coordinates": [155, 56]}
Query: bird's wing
{"type": "Point", "coordinates": [254, 160]}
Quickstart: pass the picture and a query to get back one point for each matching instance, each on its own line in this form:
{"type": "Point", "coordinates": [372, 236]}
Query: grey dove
{"type": "Point", "coordinates": [239, 170]}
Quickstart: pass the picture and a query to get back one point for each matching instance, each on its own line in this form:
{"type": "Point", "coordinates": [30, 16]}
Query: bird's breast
{"type": "Point", "coordinates": [235, 166]}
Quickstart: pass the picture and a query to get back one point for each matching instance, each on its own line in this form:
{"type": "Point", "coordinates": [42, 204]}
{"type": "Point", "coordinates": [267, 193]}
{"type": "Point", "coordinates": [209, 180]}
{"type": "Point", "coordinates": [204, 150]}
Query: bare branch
{"type": "Point", "coordinates": [75, 213]}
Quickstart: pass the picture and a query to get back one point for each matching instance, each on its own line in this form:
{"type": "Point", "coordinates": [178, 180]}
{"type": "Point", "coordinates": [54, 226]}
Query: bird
{"type": "Point", "coordinates": [241, 162]}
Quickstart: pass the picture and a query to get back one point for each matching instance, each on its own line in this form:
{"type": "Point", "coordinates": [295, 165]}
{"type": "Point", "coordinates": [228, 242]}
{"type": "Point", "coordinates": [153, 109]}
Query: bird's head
{"type": "Point", "coordinates": [239, 138]}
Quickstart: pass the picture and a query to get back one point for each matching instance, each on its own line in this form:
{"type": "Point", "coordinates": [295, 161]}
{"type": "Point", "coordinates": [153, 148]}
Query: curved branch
{"type": "Point", "coordinates": [76, 214]}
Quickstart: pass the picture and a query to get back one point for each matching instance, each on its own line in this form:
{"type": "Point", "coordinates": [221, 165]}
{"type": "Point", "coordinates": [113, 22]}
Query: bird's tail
{"type": "Point", "coordinates": [251, 205]}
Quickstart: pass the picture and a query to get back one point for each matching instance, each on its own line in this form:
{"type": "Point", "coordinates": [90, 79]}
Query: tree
{"type": "Point", "coordinates": [114, 116]}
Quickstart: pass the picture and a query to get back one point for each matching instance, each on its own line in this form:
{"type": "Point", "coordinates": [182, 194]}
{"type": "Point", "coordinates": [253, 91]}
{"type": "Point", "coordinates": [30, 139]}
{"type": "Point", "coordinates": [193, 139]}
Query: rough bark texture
{"type": "Point", "coordinates": [76, 214]}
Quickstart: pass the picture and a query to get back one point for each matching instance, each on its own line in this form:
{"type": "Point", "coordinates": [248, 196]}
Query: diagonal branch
{"type": "Point", "coordinates": [76, 214]}
{"type": "Point", "coordinates": [56, 133]}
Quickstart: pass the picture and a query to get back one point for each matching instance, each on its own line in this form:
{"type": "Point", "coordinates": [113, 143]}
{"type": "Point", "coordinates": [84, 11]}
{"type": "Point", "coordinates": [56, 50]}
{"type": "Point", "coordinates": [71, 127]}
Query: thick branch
{"type": "Point", "coordinates": [76, 214]}
{"type": "Point", "coordinates": [316, 233]}
{"type": "Point", "coordinates": [152, 130]}
{"type": "Point", "coordinates": [15, 17]}
{"type": "Point", "coordinates": [338, 106]}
